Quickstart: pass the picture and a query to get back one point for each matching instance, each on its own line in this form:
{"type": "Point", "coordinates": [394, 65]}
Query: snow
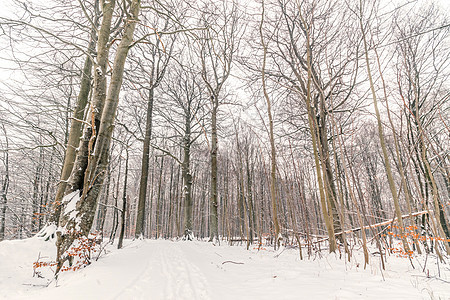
{"type": "Point", "coordinates": [48, 231]}
{"type": "Point", "coordinates": [164, 269]}
{"type": "Point", "coordinates": [98, 70]}
{"type": "Point", "coordinates": [71, 200]}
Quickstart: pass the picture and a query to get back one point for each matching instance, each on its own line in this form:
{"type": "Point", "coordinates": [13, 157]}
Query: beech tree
{"type": "Point", "coordinates": [420, 81]}
{"type": "Point", "coordinates": [184, 112]}
{"type": "Point", "coordinates": [87, 178]}
{"type": "Point", "coordinates": [218, 45]}
{"type": "Point", "coordinates": [271, 138]}
{"type": "Point", "coordinates": [153, 59]}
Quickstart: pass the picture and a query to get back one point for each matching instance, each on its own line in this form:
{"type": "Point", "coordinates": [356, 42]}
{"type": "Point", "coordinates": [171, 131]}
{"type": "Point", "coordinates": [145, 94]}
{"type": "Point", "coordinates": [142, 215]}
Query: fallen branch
{"type": "Point", "coordinates": [383, 223]}
{"type": "Point", "coordinates": [364, 227]}
{"type": "Point", "coordinates": [233, 262]}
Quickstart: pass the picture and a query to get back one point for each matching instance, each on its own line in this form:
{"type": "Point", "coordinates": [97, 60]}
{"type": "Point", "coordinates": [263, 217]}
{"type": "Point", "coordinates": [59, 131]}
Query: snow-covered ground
{"type": "Point", "coordinates": [162, 269]}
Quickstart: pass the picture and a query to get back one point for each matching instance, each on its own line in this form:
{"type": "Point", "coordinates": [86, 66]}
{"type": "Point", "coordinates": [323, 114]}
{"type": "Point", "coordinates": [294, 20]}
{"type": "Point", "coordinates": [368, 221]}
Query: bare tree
{"type": "Point", "coordinates": [4, 185]}
{"type": "Point", "coordinates": [152, 59]}
{"type": "Point", "coordinates": [186, 117]}
{"type": "Point", "coordinates": [218, 45]}
{"type": "Point", "coordinates": [85, 187]}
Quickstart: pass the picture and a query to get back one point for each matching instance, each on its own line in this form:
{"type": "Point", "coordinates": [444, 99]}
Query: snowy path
{"type": "Point", "coordinates": [167, 274]}
{"type": "Point", "coordinates": [196, 270]}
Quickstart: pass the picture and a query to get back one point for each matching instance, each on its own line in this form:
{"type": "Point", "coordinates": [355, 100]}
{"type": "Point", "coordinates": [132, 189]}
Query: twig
{"type": "Point", "coordinates": [278, 254]}
{"type": "Point", "coordinates": [233, 262]}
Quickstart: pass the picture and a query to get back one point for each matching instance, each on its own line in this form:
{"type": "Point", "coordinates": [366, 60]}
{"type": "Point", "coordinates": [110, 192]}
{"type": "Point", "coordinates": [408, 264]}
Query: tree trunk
{"type": "Point", "coordinates": [124, 204]}
{"type": "Point", "coordinates": [213, 224]}
{"type": "Point", "coordinates": [140, 221]}
{"type": "Point", "coordinates": [4, 190]}
{"type": "Point", "coordinates": [251, 210]}
{"type": "Point", "coordinates": [325, 205]}
{"type": "Point", "coordinates": [159, 200]}
{"type": "Point", "coordinates": [187, 178]}
{"type": "Point", "coordinates": [75, 131]}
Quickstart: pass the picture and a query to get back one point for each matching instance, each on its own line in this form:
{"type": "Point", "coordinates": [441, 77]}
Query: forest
{"type": "Point", "coordinates": [317, 126]}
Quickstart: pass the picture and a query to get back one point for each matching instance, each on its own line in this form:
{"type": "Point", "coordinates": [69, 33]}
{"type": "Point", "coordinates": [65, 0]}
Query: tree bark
{"type": "Point", "coordinates": [124, 204]}
{"type": "Point", "coordinates": [75, 131]}
{"type": "Point", "coordinates": [140, 220]}
{"type": "Point", "coordinates": [214, 230]}
{"type": "Point", "coordinates": [187, 178]}
{"type": "Point", "coordinates": [4, 190]}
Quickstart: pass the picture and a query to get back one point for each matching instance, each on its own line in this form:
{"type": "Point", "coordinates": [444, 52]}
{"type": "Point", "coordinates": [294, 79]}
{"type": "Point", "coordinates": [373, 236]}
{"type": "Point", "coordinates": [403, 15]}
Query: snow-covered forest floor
{"type": "Point", "coordinates": [164, 269]}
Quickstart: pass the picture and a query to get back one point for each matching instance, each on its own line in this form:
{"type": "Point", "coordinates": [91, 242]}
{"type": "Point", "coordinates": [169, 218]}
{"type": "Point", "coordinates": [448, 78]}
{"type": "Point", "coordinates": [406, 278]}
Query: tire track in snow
{"type": "Point", "coordinates": [137, 288]}
{"type": "Point", "coordinates": [167, 274]}
{"type": "Point", "coordinates": [184, 280]}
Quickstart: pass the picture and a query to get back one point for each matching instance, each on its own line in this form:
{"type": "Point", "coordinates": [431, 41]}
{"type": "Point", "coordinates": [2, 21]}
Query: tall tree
{"type": "Point", "coordinates": [421, 87]}
{"type": "Point", "coordinates": [387, 163]}
{"type": "Point", "coordinates": [218, 46]}
{"type": "Point", "coordinates": [4, 185]}
{"type": "Point", "coordinates": [85, 187]}
{"type": "Point", "coordinates": [158, 61]}
{"type": "Point", "coordinates": [273, 160]}
{"type": "Point", "coordinates": [184, 111]}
